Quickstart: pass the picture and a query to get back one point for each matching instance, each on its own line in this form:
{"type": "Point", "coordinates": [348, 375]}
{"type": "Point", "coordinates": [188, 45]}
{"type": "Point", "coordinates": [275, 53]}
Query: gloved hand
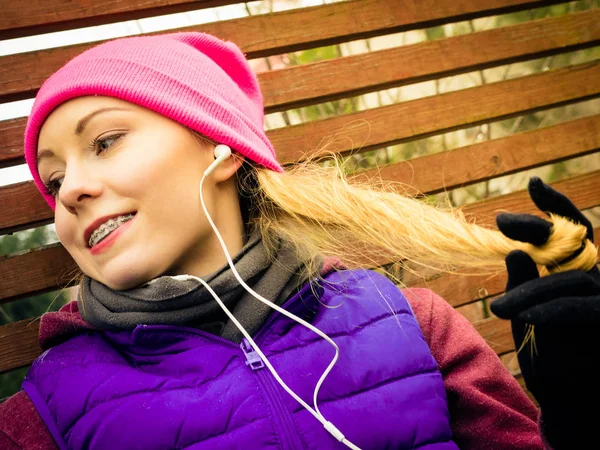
{"type": "Point", "coordinates": [560, 364]}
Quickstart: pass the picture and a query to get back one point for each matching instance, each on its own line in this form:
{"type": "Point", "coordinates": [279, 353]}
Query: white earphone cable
{"type": "Point", "coordinates": [223, 153]}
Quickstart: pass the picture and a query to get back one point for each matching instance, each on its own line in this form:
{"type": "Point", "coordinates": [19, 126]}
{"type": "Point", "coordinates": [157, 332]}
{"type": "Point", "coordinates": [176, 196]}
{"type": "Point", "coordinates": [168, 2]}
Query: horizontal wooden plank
{"type": "Point", "coordinates": [35, 271]}
{"type": "Point", "coordinates": [23, 208]}
{"type": "Point", "coordinates": [417, 119]}
{"type": "Point", "coordinates": [353, 75]}
{"type": "Point", "coordinates": [22, 74]}
{"type": "Point", "coordinates": [19, 345]}
{"type": "Point", "coordinates": [460, 290]}
{"type": "Point", "coordinates": [480, 162]}
{"type": "Point", "coordinates": [46, 16]}
{"type": "Point", "coordinates": [497, 334]}
{"type": "Point", "coordinates": [11, 142]}
{"type": "Point", "coordinates": [582, 190]}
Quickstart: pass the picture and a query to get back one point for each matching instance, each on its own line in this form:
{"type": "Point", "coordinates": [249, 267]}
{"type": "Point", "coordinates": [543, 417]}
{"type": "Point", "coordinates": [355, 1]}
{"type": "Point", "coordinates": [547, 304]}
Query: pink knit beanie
{"type": "Point", "coordinates": [193, 78]}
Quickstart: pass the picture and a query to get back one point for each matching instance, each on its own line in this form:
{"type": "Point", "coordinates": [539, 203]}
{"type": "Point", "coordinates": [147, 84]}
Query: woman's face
{"type": "Point", "coordinates": [109, 158]}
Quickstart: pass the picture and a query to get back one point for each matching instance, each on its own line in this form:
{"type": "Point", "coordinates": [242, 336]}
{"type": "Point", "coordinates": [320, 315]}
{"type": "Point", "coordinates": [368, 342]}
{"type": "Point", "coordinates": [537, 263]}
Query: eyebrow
{"type": "Point", "coordinates": [79, 128]}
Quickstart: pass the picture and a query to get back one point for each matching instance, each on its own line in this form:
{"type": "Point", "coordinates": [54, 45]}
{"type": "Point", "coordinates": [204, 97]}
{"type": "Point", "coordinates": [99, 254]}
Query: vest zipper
{"type": "Point", "coordinates": [282, 417]}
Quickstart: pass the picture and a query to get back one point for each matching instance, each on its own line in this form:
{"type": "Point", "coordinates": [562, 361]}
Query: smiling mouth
{"type": "Point", "coordinates": [105, 230]}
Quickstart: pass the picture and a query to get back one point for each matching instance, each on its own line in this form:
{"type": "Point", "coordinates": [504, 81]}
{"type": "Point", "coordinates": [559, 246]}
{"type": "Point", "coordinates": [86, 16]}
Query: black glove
{"type": "Point", "coordinates": [560, 365]}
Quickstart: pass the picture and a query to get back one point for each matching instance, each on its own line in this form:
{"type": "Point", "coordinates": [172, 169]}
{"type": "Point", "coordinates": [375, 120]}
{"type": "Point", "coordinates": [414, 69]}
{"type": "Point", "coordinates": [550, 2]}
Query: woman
{"type": "Point", "coordinates": [152, 153]}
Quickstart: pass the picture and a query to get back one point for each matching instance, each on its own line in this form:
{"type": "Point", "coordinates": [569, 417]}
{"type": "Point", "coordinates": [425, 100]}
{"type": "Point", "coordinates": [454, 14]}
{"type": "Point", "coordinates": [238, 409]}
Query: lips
{"type": "Point", "coordinates": [96, 223]}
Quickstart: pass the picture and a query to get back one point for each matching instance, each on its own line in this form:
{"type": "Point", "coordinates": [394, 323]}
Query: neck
{"type": "Point", "coordinates": [208, 256]}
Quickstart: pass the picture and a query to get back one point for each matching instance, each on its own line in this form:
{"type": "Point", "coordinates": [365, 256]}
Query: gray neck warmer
{"type": "Point", "coordinates": [187, 303]}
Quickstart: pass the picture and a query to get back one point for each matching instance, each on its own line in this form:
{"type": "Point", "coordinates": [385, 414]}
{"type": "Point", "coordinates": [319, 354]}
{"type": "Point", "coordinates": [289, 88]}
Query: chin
{"type": "Point", "coordinates": [124, 279]}
{"type": "Point", "coordinates": [123, 286]}
{"type": "Point", "coordinates": [128, 269]}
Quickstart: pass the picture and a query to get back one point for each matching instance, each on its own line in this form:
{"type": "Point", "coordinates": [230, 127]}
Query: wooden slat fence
{"type": "Point", "coordinates": [351, 134]}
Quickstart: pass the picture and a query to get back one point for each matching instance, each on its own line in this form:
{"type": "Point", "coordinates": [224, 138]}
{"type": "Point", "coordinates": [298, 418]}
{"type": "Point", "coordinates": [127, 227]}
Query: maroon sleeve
{"type": "Point", "coordinates": [21, 426]}
{"type": "Point", "coordinates": [488, 407]}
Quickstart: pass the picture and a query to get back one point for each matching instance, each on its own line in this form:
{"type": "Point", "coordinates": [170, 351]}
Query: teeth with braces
{"type": "Point", "coordinates": [108, 227]}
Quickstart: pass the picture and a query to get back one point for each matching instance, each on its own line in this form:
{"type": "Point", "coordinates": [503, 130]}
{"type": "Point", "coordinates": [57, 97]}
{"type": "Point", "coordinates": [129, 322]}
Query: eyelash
{"type": "Point", "coordinates": [96, 141]}
{"type": "Point", "coordinates": [51, 187]}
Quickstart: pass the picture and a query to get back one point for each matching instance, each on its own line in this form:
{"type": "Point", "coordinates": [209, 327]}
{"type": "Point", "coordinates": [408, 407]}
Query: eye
{"type": "Point", "coordinates": [99, 144]}
{"type": "Point", "coordinates": [53, 186]}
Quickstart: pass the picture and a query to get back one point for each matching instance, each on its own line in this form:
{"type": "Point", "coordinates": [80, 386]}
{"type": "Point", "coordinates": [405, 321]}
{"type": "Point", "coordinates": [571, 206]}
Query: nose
{"type": "Point", "coordinates": [79, 184]}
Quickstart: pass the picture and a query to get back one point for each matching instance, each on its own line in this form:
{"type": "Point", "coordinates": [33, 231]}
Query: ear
{"type": "Point", "coordinates": [228, 168]}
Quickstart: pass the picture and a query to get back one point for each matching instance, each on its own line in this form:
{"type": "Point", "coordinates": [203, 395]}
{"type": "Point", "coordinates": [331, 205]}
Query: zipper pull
{"type": "Point", "coordinates": [252, 358]}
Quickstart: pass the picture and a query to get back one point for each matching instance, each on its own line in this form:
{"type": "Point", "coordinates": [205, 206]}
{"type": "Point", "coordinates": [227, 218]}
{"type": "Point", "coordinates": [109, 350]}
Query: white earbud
{"type": "Point", "coordinates": [222, 152]}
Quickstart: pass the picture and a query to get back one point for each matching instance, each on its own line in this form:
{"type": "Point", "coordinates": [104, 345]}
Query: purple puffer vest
{"type": "Point", "coordinates": [170, 387]}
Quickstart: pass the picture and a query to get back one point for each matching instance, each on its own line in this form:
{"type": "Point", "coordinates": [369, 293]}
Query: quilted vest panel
{"type": "Point", "coordinates": [170, 387]}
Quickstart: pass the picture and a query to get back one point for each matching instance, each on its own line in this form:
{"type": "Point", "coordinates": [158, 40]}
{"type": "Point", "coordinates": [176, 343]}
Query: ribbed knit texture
{"type": "Point", "coordinates": [193, 78]}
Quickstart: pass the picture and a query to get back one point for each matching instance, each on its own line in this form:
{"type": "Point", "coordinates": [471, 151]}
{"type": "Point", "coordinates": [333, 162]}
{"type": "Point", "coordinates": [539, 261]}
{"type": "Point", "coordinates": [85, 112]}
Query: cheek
{"type": "Point", "coordinates": [133, 174]}
{"type": "Point", "coordinates": [65, 227]}
{"type": "Point", "coordinates": [162, 181]}
{"type": "Point", "coordinates": [146, 169]}
{"type": "Point", "coordinates": [67, 231]}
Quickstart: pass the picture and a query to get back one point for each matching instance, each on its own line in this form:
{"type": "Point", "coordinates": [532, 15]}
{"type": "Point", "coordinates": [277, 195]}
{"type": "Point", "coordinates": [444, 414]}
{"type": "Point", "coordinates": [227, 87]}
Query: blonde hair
{"type": "Point", "coordinates": [367, 223]}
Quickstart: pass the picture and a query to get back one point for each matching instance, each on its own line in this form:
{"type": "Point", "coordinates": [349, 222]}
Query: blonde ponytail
{"type": "Point", "coordinates": [369, 223]}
